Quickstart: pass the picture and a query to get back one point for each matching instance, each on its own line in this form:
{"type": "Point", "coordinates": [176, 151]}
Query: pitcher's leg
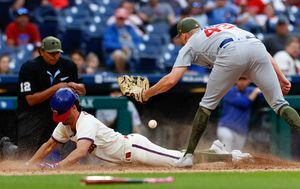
{"type": "Point", "coordinates": [220, 81]}
{"type": "Point", "coordinates": [264, 76]}
{"type": "Point", "coordinates": [291, 116]}
{"type": "Point", "coordinates": [146, 152]}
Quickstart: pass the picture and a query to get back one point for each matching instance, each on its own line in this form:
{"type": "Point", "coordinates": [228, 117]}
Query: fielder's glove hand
{"type": "Point", "coordinates": [48, 165]}
{"type": "Point", "coordinates": [133, 86]}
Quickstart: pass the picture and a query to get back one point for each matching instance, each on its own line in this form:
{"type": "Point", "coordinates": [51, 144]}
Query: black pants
{"type": "Point", "coordinates": [34, 129]}
{"type": "Point", "coordinates": [8, 126]}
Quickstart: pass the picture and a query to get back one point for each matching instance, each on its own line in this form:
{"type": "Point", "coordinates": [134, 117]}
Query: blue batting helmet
{"type": "Point", "coordinates": [61, 103]}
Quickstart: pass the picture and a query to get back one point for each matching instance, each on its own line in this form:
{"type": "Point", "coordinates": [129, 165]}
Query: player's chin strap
{"type": "Point", "coordinates": [199, 126]}
{"type": "Point", "coordinates": [290, 115]}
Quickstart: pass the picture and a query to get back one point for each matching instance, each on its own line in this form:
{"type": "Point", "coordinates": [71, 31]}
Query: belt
{"type": "Point", "coordinates": [250, 37]}
{"type": "Point", "coordinates": [228, 40]}
{"type": "Point", "coordinates": [225, 41]}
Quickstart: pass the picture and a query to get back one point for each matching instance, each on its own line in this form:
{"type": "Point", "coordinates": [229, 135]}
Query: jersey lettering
{"type": "Point", "coordinates": [209, 31]}
{"type": "Point", "coordinates": [217, 28]}
{"type": "Point", "coordinates": [25, 87]}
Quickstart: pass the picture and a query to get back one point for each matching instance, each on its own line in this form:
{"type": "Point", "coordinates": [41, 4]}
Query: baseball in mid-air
{"type": "Point", "coordinates": [152, 123]}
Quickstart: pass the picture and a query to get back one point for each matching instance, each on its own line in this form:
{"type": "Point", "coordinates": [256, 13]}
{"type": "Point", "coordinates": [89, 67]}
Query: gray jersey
{"type": "Point", "coordinates": [203, 47]}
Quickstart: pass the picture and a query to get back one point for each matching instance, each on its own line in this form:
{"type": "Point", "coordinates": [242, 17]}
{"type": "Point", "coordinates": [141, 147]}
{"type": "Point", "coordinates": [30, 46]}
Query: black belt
{"type": "Point", "coordinates": [228, 40]}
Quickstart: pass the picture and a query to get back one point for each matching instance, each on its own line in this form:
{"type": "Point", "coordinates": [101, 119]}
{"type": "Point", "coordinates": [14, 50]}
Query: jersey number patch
{"type": "Point", "coordinates": [217, 28]}
{"type": "Point", "coordinates": [25, 87]}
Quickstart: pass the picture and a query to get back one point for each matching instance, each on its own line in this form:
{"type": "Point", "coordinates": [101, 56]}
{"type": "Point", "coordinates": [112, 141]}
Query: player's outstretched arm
{"type": "Point", "coordinates": [82, 149]}
{"type": "Point", "coordinates": [43, 151]}
{"type": "Point", "coordinates": [165, 83]}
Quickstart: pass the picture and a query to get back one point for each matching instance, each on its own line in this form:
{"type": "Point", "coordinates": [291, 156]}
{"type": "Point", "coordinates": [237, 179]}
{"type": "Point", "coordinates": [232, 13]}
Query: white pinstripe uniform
{"type": "Point", "coordinates": [112, 146]}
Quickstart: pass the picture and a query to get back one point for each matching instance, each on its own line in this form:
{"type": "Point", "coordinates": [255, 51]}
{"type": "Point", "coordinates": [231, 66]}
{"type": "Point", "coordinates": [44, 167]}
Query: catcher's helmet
{"type": "Point", "coordinates": [61, 103]}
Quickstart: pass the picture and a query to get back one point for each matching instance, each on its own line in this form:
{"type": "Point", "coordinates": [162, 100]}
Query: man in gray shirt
{"type": "Point", "coordinates": [156, 12]}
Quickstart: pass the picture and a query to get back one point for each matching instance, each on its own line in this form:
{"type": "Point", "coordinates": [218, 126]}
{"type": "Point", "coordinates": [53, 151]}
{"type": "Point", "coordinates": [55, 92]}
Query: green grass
{"type": "Point", "coordinates": [230, 180]}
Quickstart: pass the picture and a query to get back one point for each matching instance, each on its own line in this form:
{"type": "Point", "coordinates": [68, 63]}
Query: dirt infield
{"type": "Point", "coordinates": [258, 163]}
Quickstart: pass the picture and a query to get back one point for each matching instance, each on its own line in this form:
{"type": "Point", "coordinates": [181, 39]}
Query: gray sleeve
{"type": "Point", "coordinates": [184, 58]}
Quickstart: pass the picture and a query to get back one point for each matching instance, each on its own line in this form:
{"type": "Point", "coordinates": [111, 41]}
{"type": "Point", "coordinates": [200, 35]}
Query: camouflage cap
{"type": "Point", "coordinates": [187, 24]}
{"type": "Point", "coordinates": [51, 44]}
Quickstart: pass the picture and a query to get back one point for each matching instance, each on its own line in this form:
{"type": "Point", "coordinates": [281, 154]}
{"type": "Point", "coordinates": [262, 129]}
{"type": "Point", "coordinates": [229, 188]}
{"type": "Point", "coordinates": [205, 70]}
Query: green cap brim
{"type": "Point", "coordinates": [54, 50]}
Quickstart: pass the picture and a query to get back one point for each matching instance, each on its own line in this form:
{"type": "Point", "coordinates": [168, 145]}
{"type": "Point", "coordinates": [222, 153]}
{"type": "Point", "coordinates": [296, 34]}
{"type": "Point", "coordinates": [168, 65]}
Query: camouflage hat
{"type": "Point", "coordinates": [51, 44]}
{"type": "Point", "coordinates": [187, 24]}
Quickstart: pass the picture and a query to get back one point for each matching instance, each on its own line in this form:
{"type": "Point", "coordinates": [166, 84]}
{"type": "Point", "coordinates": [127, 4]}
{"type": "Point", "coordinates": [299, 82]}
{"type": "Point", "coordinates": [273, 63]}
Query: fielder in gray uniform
{"type": "Point", "coordinates": [231, 53]}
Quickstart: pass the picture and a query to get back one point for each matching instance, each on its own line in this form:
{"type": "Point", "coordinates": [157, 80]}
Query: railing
{"type": "Point", "coordinates": [281, 132]}
{"type": "Point", "coordinates": [124, 121]}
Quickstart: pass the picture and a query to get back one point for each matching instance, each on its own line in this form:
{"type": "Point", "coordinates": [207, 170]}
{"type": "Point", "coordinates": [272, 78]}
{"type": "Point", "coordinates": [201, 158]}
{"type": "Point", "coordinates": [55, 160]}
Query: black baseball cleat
{"type": "Point", "coordinates": [7, 148]}
{"type": "Point", "coordinates": [2, 140]}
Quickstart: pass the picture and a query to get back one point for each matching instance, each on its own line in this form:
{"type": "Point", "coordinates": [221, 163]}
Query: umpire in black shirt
{"type": "Point", "coordinates": [39, 79]}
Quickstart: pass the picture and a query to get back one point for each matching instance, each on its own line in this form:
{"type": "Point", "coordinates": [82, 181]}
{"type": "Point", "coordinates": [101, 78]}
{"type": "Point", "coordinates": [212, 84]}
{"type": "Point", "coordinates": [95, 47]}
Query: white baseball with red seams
{"type": "Point", "coordinates": [113, 147]}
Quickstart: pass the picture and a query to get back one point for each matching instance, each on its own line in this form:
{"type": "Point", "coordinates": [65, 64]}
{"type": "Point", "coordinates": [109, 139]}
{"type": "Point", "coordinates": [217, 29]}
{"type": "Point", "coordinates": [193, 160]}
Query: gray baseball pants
{"type": "Point", "coordinates": [247, 58]}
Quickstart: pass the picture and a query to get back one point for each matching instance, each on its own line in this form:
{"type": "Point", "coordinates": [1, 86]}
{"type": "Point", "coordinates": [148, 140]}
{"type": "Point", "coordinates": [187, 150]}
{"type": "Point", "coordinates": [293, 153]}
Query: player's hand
{"type": "Point", "coordinates": [185, 161]}
{"type": "Point", "coordinates": [285, 86]}
{"type": "Point", "coordinates": [133, 86]}
{"type": "Point", "coordinates": [48, 165]}
{"type": "Point", "coordinates": [75, 87]}
{"type": "Point", "coordinates": [61, 85]}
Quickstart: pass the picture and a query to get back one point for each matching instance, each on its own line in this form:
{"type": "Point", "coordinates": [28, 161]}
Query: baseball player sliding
{"type": "Point", "coordinates": [231, 53]}
{"type": "Point", "coordinates": [92, 136]}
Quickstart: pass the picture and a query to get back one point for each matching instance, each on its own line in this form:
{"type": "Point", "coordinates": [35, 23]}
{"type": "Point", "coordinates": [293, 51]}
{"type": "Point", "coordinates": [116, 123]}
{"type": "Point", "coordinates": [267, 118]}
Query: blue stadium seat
{"type": "Point", "coordinates": [150, 51]}
{"type": "Point", "coordinates": [72, 40]}
{"type": "Point", "coordinates": [170, 53]}
{"type": "Point", "coordinates": [20, 56]}
{"type": "Point", "coordinates": [4, 49]}
{"type": "Point", "coordinates": [95, 27]}
{"type": "Point", "coordinates": [153, 40]}
{"type": "Point", "coordinates": [49, 26]}
{"type": "Point", "coordinates": [94, 44]}
{"type": "Point", "coordinates": [76, 16]}
{"type": "Point", "coordinates": [149, 59]}
{"type": "Point", "coordinates": [146, 65]}
{"type": "Point", "coordinates": [159, 28]}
